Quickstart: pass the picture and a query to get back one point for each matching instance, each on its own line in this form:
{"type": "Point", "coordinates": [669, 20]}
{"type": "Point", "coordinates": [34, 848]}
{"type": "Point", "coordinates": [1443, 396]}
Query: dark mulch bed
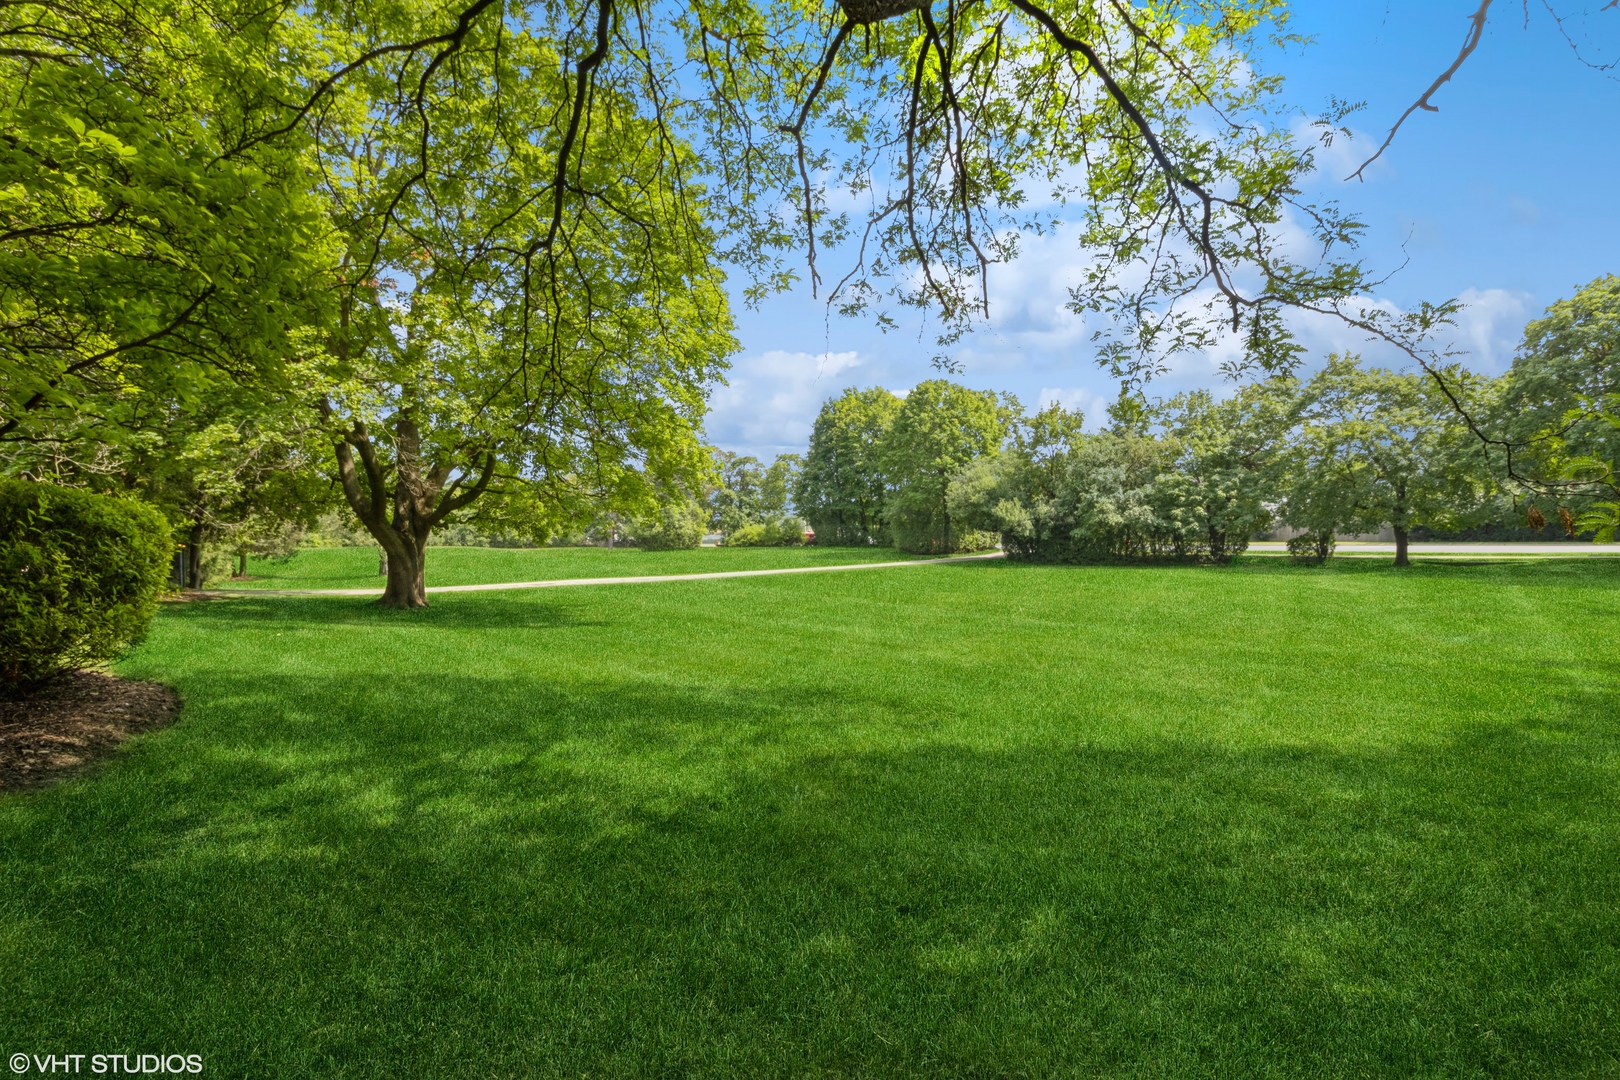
{"type": "Point", "coordinates": [74, 722]}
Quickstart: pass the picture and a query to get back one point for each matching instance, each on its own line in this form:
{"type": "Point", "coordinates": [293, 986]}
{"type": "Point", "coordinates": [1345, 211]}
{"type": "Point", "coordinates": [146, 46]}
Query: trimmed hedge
{"type": "Point", "coordinates": [79, 577]}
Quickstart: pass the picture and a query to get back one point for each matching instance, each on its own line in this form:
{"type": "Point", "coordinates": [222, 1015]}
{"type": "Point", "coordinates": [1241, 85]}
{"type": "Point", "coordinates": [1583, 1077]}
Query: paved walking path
{"type": "Point", "coordinates": [1264, 547]}
{"type": "Point", "coordinates": [562, 582]}
{"type": "Point", "coordinates": [1460, 547]}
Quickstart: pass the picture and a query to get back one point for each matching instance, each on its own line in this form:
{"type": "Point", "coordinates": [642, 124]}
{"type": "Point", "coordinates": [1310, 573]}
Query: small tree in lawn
{"type": "Point", "coordinates": [1322, 492]}
{"type": "Point", "coordinates": [776, 486]}
{"type": "Point", "coordinates": [1016, 494]}
{"type": "Point", "coordinates": [1391, 446]}
{"type": "Point", "coordinates": [840, 488]}
{"type": "Point", "coordinates": [737, 497]}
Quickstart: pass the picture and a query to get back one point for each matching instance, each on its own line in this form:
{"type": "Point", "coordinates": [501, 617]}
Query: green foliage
{"type": "Point", "coordinates": [784, 532]}
{"type": "Point", "coordinates": [539, 338]}
{"type": "Point", "coordinates": [841, 489]}
{"type": "Point", "coordinates": [1228, 461]}
{"type": "Point", "coordinates": [1603, 519]}
{"type": "Point", "coordinates": [747, 494]}
{"type": "Point", "coordinates": [920, 130]}
{"type": "Point", "coordinates": [1196, 492]}
{"type": "Point", "coordinates": [1560, 397]}
{"type": "Point", "coordinates": [938, 429]}
{"type": "Point", "coordinates": [1379, 447]}
{"type": "Point", "coordinates": [1096, 500]}
{"type": "Point", "coordinates": [677, 525]}
{"type": "Point", "coordinates": [776, 486]}
{"type": "Point", "coordinates": [79, 577]}
{"type": "Point", "coordinates": [155, 249]}
{"type": "Point", "coordinates": [1312, 547]}
{"type": "Point", "coordinates": [1560, 406]}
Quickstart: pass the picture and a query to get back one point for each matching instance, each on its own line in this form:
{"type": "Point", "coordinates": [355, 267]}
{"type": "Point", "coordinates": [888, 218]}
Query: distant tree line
{"type": "Point", "coordinates": [1352, 449]}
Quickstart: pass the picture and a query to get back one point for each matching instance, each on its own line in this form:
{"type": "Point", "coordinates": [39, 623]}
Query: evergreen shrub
{"type": "Point", "coordinates": [79, 578]}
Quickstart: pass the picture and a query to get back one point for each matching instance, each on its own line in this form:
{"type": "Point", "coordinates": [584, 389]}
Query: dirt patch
{"type": "Point", "coordinates": [74, 722]}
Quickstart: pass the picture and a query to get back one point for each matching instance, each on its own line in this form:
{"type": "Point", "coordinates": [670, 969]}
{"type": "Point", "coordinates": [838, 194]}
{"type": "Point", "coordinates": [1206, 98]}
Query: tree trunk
{"type": "Point", "coordinates": [194, 568]}
{"type": "Point", "coordinates": [407, 575]}
{"type": "Point", "coordinates": [419, 501]}
{"type": "Point", "coordinates": [1400, 525]}
{"type": "Point", "coordinates": [241, 564]}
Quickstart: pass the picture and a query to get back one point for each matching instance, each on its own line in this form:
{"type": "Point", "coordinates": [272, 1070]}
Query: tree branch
{"type": "Point", "coordinates": [1476, 28]}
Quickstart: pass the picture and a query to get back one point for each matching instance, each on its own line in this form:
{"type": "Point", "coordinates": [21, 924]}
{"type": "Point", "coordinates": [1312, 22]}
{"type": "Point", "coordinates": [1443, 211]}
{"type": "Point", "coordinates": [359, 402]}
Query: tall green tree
{"type": "Point", "coordinates": [1405, 457]}
{"type": "Point", "coordinates": [1557, 419]}
{"type": "Point", "coordinates": [776, 486]}
{"type": "Point", "coordinates": [747, 493]}
{"type": "Point", "coordinates": [737, 497]}
{"type": "Point", "coordinates": [939, 428]}
{"type": "Point", "coordinates": [840, 490]}
{"type": "Point", "coordinates": [1228, 461]}
{"type": "Point", "coordinates": [1015, 493]}
{"type": "Point", "coordinates": [531, 313]}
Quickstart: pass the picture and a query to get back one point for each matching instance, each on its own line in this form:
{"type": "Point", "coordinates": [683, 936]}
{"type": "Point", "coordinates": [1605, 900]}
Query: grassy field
{"type": "Point", "coordinates": [356, 567]}
{"type": "Point", "coordinates": [971, 820]}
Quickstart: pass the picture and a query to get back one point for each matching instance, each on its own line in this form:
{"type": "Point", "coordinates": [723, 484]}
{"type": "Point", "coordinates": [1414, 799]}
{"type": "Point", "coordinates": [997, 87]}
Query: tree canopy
{"type": "Point", "coordinates": [939, 428]}
{"type": "Point", "coordinates": [840, 490]}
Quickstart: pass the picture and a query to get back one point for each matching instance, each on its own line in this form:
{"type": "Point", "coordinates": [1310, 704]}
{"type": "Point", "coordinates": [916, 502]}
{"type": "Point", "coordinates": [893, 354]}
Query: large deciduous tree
{"type": "Point", "coordinates": [939, 428]}
{"type": "Point", "coordinates": [1557, 420]}
{"type": "Point", "coordinates": [840, 489]}
{"type": "Point", "coordinates": [1393, 447]}
{"type": "Point", "coordinates": [530, 306]}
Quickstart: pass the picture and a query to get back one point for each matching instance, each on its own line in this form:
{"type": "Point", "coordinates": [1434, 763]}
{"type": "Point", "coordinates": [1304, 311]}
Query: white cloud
{"type": "Point", "coordinates": [772, 400]}
{"type": "Point", "coordinates": [1489, 327]}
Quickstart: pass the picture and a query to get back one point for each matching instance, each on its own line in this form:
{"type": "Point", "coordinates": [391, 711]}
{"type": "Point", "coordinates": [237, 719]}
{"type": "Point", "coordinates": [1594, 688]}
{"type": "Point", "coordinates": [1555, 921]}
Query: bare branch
{"type": "Point", "coordinates": [1476, 28]}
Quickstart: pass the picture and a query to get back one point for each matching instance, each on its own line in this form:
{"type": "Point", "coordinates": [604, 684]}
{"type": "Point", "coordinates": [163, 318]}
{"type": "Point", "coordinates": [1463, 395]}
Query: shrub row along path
{"type": "Point", "coordinates": [644, 579]}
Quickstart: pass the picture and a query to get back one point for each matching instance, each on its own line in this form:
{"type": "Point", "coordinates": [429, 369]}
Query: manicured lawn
{"type": "Point", "coordinates": [974, 820]}
{"type": "Point", "coordinates": [356, 567]}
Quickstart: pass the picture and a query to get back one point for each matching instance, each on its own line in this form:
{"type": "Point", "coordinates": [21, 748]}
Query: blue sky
{"type": "Point", "coordinates": [1508, 197]}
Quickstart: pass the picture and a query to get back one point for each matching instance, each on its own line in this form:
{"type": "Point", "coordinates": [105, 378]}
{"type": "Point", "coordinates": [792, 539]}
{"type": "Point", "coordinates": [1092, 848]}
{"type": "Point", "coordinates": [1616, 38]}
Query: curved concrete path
{"type": "Point", "coordinates": [563, 582]}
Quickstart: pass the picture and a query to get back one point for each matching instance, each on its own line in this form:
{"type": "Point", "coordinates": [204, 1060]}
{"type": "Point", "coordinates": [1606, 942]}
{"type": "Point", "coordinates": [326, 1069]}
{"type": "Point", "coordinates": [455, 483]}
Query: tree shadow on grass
{"type": "Point", "coordinates": [465, 612]}
{"type": "Point", "coordinates": [454, 876]}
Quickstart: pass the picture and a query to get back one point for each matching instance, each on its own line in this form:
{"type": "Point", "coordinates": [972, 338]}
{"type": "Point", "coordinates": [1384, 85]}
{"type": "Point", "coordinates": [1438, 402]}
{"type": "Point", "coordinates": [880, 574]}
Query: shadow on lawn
{"type": "Point", "coordinates": [473, 611]}
{"type": "Point", "coordinates": [448, 876]}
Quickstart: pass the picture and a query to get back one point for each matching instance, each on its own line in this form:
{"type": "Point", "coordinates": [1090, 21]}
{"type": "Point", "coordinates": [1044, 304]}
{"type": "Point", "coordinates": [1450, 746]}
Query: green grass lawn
{"type": "Point", "coordinates": [356, 567]}
{"type": "Point", "coordinates": [974, 820]}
